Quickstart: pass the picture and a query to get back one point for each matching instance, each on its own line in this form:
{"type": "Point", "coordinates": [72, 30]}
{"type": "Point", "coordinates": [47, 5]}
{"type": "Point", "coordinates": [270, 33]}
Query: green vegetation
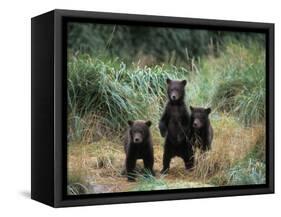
{"type": "Point", "coordinates": [248, 172]}
{"type": "Point", "coordinates": [151, 183]}
{"type": "Point", "coordinates": [115, 93]}
{"type": "Point", "coordinates": [151, 45]}
{"type": "Point", "coordinates": [224, 70]}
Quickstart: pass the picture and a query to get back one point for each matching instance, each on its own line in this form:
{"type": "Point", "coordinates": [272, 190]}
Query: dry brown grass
{"type": "Point", "coordinates": [90, 129]}
{"type": "Point", "coordinates": [99, 165]}
{"type": "Point", "coordinates": [229, 147]}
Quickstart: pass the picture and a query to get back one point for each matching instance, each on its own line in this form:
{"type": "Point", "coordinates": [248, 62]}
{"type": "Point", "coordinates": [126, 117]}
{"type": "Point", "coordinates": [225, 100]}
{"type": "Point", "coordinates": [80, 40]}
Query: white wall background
{"type": "Point", "coordinates": [15, 106]}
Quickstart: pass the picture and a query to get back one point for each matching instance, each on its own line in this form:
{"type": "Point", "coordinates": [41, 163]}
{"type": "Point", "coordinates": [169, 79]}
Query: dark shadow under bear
{"type": "Point", "coordinates": [175, 126]}
{"type": "Point", "coordinates": [202, 131]}
{"type": "Point", "coordinates": [138, 145]}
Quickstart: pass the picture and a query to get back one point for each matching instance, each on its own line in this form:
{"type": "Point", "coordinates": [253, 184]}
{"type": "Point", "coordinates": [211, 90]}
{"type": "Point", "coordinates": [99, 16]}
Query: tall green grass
{"type": "Point", "coordinates": [233, 83]}
{"type": "Point", "coordinates": [110, 92]}
{"type": "Point", "coordinates": [115, 92]}
{"type": "Point", "coordinates": [241, 89]}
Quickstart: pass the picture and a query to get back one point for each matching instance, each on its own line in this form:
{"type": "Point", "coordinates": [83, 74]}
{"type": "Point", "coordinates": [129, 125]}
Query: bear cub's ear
{"type": "Point", "coordinates": [148, 123]}
{"type": "Point", "coordinates": [130, 123]}
{"type": "Point", "coordinates": [208, 110]}
{"type": "Point", "coordinates": [168, 80]}
{"type": "Point", "coordinates": [183, 82]}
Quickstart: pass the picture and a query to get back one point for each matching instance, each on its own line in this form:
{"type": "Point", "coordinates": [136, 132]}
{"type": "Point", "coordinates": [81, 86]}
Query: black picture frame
{"type": "Point", "coordinates": [48, 74]}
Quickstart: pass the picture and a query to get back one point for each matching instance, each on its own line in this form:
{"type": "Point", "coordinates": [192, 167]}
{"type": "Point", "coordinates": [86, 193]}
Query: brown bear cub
{"type": "Point", "coordinates": [175, 126]}
{"type": "Point", "coordinates": [202, 131]}
{"type": "Point", "coordinates": [138, 145]}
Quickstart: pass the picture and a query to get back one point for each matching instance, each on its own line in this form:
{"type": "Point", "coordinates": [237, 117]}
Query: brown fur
{"type": "Point", "coordinates": [138, 145]}
{"type": "Point", "coordinates": [175, 126]}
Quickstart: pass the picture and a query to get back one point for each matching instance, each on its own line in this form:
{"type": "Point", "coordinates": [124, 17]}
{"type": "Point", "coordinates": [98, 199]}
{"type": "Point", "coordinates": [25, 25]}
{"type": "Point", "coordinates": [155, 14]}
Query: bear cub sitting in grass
{"type": "Point", "coordinates": [175, 126]}
{"type": "Point", "coordinates": [138, 145]}
{"type": "Point", "coordinates": [202, 131]}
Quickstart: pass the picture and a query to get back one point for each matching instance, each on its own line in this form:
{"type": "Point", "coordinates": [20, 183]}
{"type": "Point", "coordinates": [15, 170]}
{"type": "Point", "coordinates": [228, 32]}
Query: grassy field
{"type": "Point", "coordinates": [103, 94]}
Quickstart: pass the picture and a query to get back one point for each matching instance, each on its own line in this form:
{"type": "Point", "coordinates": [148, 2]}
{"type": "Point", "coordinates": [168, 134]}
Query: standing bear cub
{"type": "Point", "coordinates": [138, 145]}
{"type": "Point", "coordinates": [175, 126]}
{"type": "Point", "coordinates": [202, 131]}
